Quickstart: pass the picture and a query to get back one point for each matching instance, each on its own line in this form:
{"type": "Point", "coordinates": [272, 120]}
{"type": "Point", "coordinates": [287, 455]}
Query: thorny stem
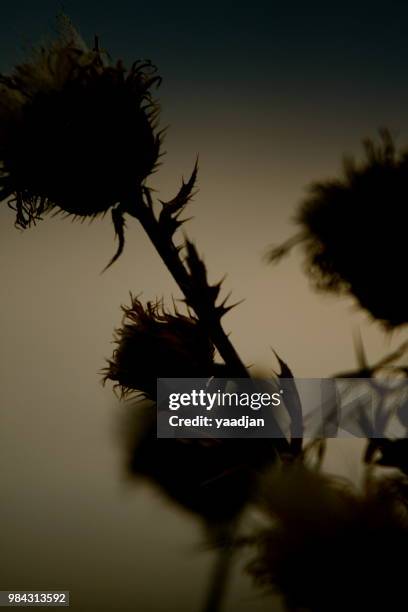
{"type": "Point", "coordinates": [170, 256]}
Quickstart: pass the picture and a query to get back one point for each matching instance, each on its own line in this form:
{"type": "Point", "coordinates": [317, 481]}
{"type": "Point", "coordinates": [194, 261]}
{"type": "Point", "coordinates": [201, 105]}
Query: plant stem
{"type": "Point", "coordinates": [171, 258]}
{"type": "Point", "coordinates": [206, 313]}
{"type": "Point", "coordinates": [220, 572]}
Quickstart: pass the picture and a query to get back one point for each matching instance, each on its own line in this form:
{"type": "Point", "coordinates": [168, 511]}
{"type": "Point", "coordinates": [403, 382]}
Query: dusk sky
{"type": "Point", "coordinates": [270, 96]}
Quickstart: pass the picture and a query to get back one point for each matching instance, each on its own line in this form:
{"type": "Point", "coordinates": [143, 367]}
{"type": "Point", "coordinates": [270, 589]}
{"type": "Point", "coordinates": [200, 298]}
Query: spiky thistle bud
{"type": "Point", "coordinates": [153, 343]}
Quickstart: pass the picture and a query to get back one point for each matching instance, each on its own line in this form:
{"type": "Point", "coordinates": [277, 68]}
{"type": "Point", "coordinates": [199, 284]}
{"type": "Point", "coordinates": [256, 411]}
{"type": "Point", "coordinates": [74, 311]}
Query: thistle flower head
{"type": "Point", "coordinates": [353, 229]}
{"type": "Point", "coordinates": [356, 231]}
{"type": "Point", "coordinates": [329, 547]}
{"type": "Point", "coordinates": [153, 343]}
{"type": "Point", "coordinates": [212, 478]}
{"type": "Point", "coordinates": [77, 132]}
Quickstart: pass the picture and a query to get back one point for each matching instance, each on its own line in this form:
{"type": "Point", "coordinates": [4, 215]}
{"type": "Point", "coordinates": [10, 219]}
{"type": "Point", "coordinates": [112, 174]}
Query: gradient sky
{"type": "Point", "coordinates": [270, 96]}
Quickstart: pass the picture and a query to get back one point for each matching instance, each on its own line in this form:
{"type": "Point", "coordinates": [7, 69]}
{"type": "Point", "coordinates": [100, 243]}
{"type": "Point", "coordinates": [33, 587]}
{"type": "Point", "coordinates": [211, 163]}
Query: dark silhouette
{"type": "Point", "coordinates": [214, 478]}
{"type": "Point", "coordinates": [153, 343]}
{"type": "Point", "coordinates": [330, 547]}
{"type": "Point", "coordinates": [353, 230]}
{"type": "Point", "coordinates": [77, 134]}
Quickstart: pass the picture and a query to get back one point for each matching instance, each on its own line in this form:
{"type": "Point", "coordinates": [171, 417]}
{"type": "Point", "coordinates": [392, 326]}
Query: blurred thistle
{"type": "Point", "coordinates": [77, 132]}
{"type": "Point", "coordinates": [329, 547]}
{"type": "Point", "coordinates": [153, 343]}
{"type": "Point", "coordinates": [212, 478]}
{"type": "Point", "coordinates": [354, 231]}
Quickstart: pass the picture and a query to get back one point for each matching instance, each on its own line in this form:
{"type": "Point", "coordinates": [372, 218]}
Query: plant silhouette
{"type": "Point", "coordinates": [79, 135]}
{"type": "Point", "coordinates": [329, 546]}
{"type": "Point", "coordinates": [353, 230]}
{"type": "Point", "coordinates": [81, 114]}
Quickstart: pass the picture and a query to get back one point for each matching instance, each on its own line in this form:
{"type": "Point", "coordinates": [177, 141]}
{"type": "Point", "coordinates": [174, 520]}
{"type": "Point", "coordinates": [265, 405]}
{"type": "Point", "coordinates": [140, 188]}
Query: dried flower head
{"type": "Point", "coordinates": [212, 478]}
{"type": "Point", "coordinates": [331, 548]}
{"type": "Point", "coordinates": [77, 133]}
{"type": "Point", "coordinates": [354, 231]}
{"type": "Point", "coordinates": [153, 343]}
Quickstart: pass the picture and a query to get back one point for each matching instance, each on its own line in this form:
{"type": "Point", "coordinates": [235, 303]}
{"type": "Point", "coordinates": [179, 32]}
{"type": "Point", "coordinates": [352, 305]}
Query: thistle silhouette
{"type": "Point", "coordinates": [153, 343]}
{"type": "Point", "coordinates": [79, 136]}
{"type": "Point", "coordinates": [94, 128]}
{"type": "Point", "coordinates": [353, 230]}
{"type": "Point", "coordinates": [329, 546]}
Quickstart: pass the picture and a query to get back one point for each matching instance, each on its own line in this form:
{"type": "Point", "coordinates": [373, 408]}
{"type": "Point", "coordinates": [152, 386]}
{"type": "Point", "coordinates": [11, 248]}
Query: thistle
{"type": "Point", "coordinates": [214, 478]}
{"type": "Point", "coordinates": [77, 134]}
{"type": "Point", "coordinates": [152, 343]}
{"type": "Point", "coordinates": [353, 230]}
{"type": "Point", "coordinates": [328, 545]}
